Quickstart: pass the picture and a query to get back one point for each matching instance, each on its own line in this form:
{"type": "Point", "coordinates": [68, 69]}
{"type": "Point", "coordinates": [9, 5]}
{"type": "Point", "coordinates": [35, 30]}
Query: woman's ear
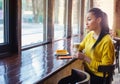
{"type": "Point", "coordinates": [99, 20]}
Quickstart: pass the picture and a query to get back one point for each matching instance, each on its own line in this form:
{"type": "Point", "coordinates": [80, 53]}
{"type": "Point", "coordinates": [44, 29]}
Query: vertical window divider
{"type": "Point", "coordinates": [45, 20]}
{"type": "Point", "coordinates": [50, 23]}
{"type": "Point", "coordinates": [19, 28]}
{"type": "Point", "coordinates": [65, 17]}
{"type": "Point", "coordinates": [79, 8]}
{"type": "Point", "coordinates": [82, 3]}
{"type": "Point", "coordinates": [6, 21]}
{"type": "Point", "coordinates": [90, 3]}
{"type": "Point", "coordinates": [69, 20]}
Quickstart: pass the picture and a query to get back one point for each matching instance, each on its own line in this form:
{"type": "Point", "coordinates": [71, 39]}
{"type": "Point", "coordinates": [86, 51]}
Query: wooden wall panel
{"type": "Point", "coordinates": [54, 78]}
{"type": "Point", "coordinates": [116, 17]}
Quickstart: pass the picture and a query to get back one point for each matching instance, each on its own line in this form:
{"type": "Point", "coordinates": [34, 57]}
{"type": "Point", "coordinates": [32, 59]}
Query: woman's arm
{"type": "Point", "coordinates": [82, 56]}
{"type": "Point", "coordinates": [107, 56]}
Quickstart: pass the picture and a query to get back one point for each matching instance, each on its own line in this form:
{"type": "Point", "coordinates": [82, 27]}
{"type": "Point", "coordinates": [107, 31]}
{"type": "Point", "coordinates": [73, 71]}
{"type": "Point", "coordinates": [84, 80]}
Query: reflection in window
{"type": "Point", "coordinates": [37, 65]}
{"type": "Point", "coordinates": [59, 13]}
{"type": "Point", "coordinates": [1, 21]}
{"type": "Point", "coordinates": [75, 16]}
{"type": "Point", "coordinates": [32, 21]}
{"type": "Point", "coordinates": [2, 74]}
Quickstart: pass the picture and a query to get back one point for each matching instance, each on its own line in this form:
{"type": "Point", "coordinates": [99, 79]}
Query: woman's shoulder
{"type": "Point", "coordinates": [107, 38]}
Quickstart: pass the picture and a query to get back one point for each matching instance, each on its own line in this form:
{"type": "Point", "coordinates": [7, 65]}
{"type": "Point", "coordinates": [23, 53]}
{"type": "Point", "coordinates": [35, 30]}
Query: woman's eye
{"type": "Point", "coordinates": [89, 19]}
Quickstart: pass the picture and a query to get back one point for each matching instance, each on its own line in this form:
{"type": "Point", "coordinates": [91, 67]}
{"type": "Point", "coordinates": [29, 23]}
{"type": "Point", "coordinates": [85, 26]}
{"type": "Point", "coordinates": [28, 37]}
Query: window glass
{"type": "Point", "coordinates": [75, 16]}
{"type": "Point", "coordinates": [1, 21]}
{"type": "Point", "coordinates": [32, 21]}
{"type": "Point", "coordinates": [85, 14]}
{"type": "Point", "coordinates": [59, 18]}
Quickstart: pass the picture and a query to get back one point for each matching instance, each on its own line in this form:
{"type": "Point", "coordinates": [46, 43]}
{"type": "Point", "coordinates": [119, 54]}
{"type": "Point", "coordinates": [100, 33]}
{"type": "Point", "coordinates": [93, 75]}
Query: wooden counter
{"type": "Point", "coordinates": [37, 65]}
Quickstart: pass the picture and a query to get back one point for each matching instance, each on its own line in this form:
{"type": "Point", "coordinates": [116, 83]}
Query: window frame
{"type": "Point", "coordinates": [4, 47]}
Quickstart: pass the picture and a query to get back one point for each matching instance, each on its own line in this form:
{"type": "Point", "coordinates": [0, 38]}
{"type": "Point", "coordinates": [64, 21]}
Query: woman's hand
{"type": "Point", "coordinates": [82, 56]}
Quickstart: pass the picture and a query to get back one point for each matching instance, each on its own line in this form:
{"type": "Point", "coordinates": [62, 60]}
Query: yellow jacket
{"type": "Point", "coordinates": [102, 54]}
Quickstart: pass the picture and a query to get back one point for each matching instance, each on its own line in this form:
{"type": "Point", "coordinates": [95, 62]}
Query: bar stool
{"type": "Point", "coordinates": [76, 77]}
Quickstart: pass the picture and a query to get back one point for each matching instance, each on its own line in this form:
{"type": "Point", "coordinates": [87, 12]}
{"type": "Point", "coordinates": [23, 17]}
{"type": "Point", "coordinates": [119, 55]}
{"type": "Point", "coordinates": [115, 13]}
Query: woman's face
{"type": "Point", "coordinates": [91, 22]}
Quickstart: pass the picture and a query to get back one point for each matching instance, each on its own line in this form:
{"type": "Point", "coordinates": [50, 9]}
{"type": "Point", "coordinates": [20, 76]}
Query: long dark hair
{"type": "Point", "coordinates": [104, 24]}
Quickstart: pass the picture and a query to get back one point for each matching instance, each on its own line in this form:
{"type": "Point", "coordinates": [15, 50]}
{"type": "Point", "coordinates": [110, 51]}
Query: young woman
{"type": "Point", "coordinates": [97, 45]}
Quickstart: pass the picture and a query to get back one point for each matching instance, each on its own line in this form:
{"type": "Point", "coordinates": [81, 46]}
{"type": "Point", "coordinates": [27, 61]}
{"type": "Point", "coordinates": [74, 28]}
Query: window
{"type": "Point", "coordinates": [35, 19]}
{"type": "Point", "coordinates": [86, 9]}
{"type": "Point", "coordinates": [59, 19]}
{"type": "Point", "coordinates": [75, 17]}
{"type": "Point", "coordinates": [1, 21]}
{"type": "Point", "coordinates": [4, 27]}
{"type": "Point", "coordinates": [32, 21]}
